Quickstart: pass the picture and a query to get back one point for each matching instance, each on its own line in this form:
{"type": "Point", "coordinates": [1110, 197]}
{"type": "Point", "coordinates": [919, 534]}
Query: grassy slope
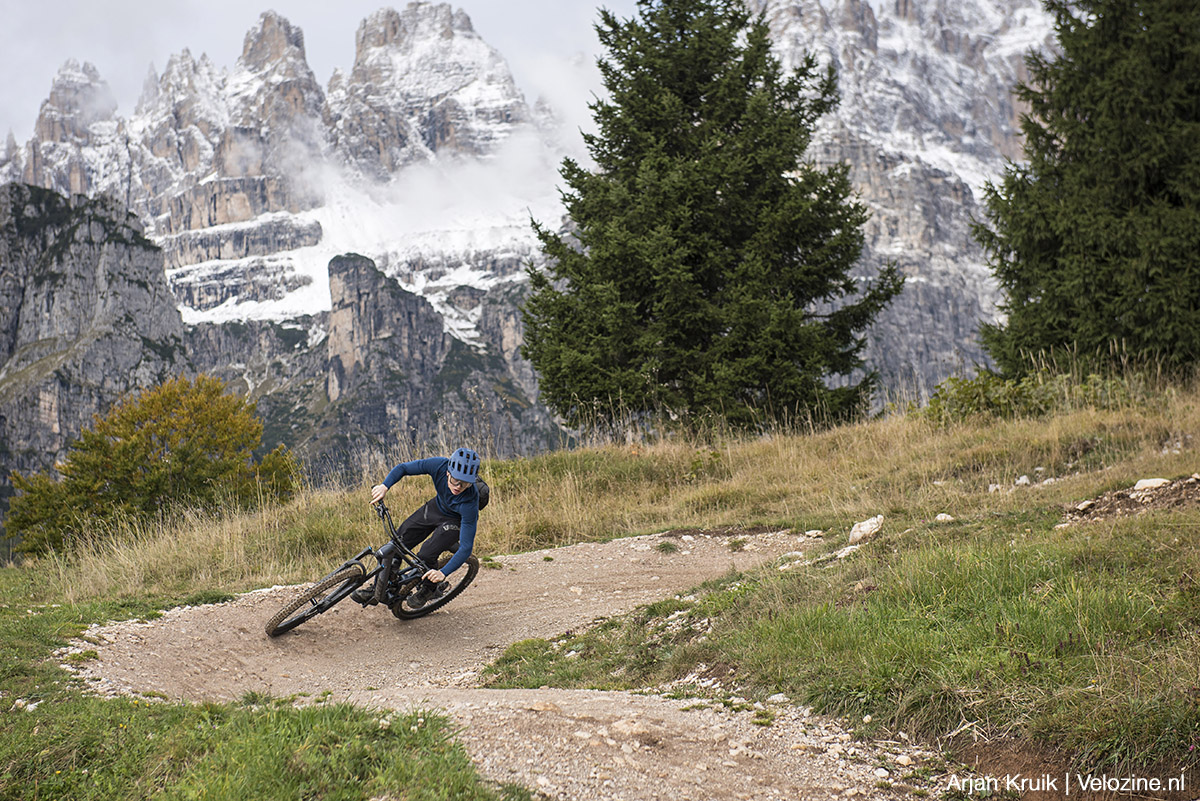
{"type": "Point", "coordinates": [58, 743]}
{"type": "Point", "coordinates": [1084, 637]}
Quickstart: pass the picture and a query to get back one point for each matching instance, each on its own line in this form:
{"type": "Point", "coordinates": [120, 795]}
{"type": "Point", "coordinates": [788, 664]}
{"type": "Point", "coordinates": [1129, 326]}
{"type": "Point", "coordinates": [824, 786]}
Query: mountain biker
{"type": "Point", "coordinates": [448, 519]}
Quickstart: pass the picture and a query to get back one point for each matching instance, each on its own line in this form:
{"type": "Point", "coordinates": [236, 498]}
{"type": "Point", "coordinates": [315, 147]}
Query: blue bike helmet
{"type": "Point", "coordinates": [464, 465]}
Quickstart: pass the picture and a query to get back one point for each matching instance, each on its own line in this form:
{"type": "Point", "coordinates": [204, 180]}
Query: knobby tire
{"type": "Point", "coordinates": [312, 600]}
{"type": "Point", "coordinates": [459, 581]}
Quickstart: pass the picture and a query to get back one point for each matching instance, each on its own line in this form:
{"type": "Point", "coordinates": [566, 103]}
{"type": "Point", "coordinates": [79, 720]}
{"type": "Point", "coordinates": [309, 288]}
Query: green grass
{"type": "Point", "coordinates": [56, 742]}
{"type": "Point", "coordinates": [1084, 638]}
{"type": "Point", "coordinates": [76, 747]}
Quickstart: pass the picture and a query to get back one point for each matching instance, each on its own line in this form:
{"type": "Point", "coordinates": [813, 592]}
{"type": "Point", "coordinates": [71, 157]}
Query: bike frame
{"type": "Point", "coordinates": [385, 574]}
{"type": "Point", "coordinates": [397, 573]}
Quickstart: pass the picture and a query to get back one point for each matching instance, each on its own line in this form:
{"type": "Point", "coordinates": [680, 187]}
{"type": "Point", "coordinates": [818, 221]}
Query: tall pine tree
{"type": "Point", "coordinates": [708, 266]}
{"type": "Point", "coordinates": [1095, 240]}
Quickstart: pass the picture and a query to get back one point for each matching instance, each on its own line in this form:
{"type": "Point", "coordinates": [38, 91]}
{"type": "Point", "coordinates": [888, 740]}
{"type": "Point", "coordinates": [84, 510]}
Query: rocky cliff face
{"type": "Point", "coordinates": [85, 317]}
{"type": "Point", "coordinates": [423, 83]}
{"type": "Point", "coordinates": [426, 159]}
{"type": "Point", "coordinates": [376, 375]}
{"type": "Point", "coordinates": [394, 373]}
{"type": "Point", "coordinates": [379, 332]}
{"type": "Point", "coordinates": [926, 117]}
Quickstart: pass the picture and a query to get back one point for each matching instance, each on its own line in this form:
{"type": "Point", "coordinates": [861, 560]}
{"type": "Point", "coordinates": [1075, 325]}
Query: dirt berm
{"type": "Point", "coordinates": [570, 744]}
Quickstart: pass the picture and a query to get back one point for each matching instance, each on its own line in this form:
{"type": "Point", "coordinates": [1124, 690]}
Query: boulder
{"type": "Point", "coordinates": [866, 529]}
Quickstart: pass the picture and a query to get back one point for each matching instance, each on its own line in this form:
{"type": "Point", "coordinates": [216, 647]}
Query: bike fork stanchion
{"type": "Point", "coordinates": [382, 580]}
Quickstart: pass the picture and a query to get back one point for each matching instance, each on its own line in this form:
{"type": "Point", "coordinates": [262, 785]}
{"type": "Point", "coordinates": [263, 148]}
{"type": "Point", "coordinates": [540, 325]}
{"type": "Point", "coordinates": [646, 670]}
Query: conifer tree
{"type": "Point", "coordinates": [708, 263]}
{"type": "Point", "coordinates": [1095, 237]}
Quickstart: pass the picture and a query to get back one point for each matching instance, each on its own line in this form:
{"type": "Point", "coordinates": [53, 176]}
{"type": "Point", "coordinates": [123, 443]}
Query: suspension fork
{"type": "Point", "coordinates": [390, 552]}
{"type": "Point", "coordinates": [387, 558]}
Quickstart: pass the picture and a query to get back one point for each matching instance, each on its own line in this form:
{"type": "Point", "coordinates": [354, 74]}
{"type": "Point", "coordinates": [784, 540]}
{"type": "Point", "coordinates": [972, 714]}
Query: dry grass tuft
{"type": "Point", "coordinates": [899, 465]}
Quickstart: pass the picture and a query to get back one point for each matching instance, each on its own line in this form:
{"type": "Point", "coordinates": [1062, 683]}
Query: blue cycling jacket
{"type": "Point", "coordinates": [464, 506]}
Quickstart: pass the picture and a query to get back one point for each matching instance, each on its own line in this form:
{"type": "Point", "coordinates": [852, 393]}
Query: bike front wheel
{"type": "Point", "coordinates": [318, 598]}
{"type": "Point", "coordinates": [458, 582]}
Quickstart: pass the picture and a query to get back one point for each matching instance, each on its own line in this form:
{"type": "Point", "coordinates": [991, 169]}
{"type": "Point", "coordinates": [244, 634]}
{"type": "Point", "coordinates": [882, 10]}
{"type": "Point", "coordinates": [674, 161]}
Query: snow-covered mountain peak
{"type": "Point", "coordinates": [276, 109]}
{"type": "Point", "coordinates": [78, 98]}
{"type": "Point", "coordinates": [390, 28]}
{"type": "Point", "coordinates": [424, 86]}
{"type": "Point", "coordinates": [272, 81]}
{"type": "Point", "coordinates": [432, 51]}
{"type": "Point", "coordinates": [72, 73]}
{"type": "Point", "coordinates": [189, 92]}
{"type": "Point", "coordinates": [271, 44]}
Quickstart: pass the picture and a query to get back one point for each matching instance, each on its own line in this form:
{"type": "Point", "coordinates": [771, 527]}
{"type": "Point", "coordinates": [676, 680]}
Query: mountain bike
{"type": "Point", "coordinates": [397, 575]}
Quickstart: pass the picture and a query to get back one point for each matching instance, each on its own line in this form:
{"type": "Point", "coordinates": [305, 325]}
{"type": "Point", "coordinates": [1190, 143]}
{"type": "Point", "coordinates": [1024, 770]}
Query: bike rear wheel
{"type": "Point", "coordinates": [318, 598]}
{"type": "Point", "coordinates": [458, 582]}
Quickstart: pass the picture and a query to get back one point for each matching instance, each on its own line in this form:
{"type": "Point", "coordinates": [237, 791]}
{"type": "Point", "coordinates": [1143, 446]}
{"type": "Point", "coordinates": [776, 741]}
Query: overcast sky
{"type": "Point", "coordinates": [124, 37]}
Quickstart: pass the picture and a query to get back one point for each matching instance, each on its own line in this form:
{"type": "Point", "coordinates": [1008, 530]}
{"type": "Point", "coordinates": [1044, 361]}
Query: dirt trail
{"type": "Point", "coordinates": [562, 743]}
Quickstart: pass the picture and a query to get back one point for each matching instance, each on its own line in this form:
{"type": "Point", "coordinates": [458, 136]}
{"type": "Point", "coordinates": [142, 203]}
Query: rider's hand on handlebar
{"type": "Point", "coordinates": [434, 577]}
{"type": "Point", "coordinates": [377, 493]}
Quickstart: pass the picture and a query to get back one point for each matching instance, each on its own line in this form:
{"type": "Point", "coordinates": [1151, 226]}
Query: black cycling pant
{"type": "Point", "coordinates": [430, 522]}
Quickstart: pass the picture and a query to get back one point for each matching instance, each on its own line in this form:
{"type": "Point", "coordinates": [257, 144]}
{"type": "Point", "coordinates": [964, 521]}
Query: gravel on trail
{"type": "Point", "coordinates": [569, 744]}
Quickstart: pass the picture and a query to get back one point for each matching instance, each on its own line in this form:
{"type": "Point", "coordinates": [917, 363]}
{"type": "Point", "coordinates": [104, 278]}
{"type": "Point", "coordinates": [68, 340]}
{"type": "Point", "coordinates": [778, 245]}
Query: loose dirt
{"type": "Point", "coordinates": [569, 744]}
{"type": "Point", "coordinates": [1160, 494]}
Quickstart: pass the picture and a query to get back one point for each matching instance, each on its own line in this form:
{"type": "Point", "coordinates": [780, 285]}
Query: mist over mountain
{"type": "Point", "coordinates": [425, 160]}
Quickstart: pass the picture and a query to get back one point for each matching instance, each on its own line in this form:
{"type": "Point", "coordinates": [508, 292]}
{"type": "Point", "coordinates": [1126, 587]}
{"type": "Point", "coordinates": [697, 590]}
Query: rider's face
{"type": "Point", "coordinates": [456, 486]}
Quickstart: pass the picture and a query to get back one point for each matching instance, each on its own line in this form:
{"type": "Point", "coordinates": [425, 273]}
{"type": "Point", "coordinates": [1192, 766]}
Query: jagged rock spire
{"type": "Point", "coordinates": [272, 41]}
{"type": "Point", "coordinates": [12, 162]}
{"type": "Point", "coordinates": [149, 89]}
{"type": "Point", "coordinates": [10, 149]}
{"type": "Point", "coordinates": [78, 98]}
{"type": "Point", "coordinates": [423, 83]}
{"type": "Point", "coordinates": [189, 92]}
{"type": "Point", "coordinates": [273, 90]}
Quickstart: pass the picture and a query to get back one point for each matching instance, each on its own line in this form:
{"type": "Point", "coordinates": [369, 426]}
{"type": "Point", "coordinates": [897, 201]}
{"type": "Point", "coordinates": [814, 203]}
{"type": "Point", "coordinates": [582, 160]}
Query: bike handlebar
{"type": "Point", "coordinates": [386, 516]}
